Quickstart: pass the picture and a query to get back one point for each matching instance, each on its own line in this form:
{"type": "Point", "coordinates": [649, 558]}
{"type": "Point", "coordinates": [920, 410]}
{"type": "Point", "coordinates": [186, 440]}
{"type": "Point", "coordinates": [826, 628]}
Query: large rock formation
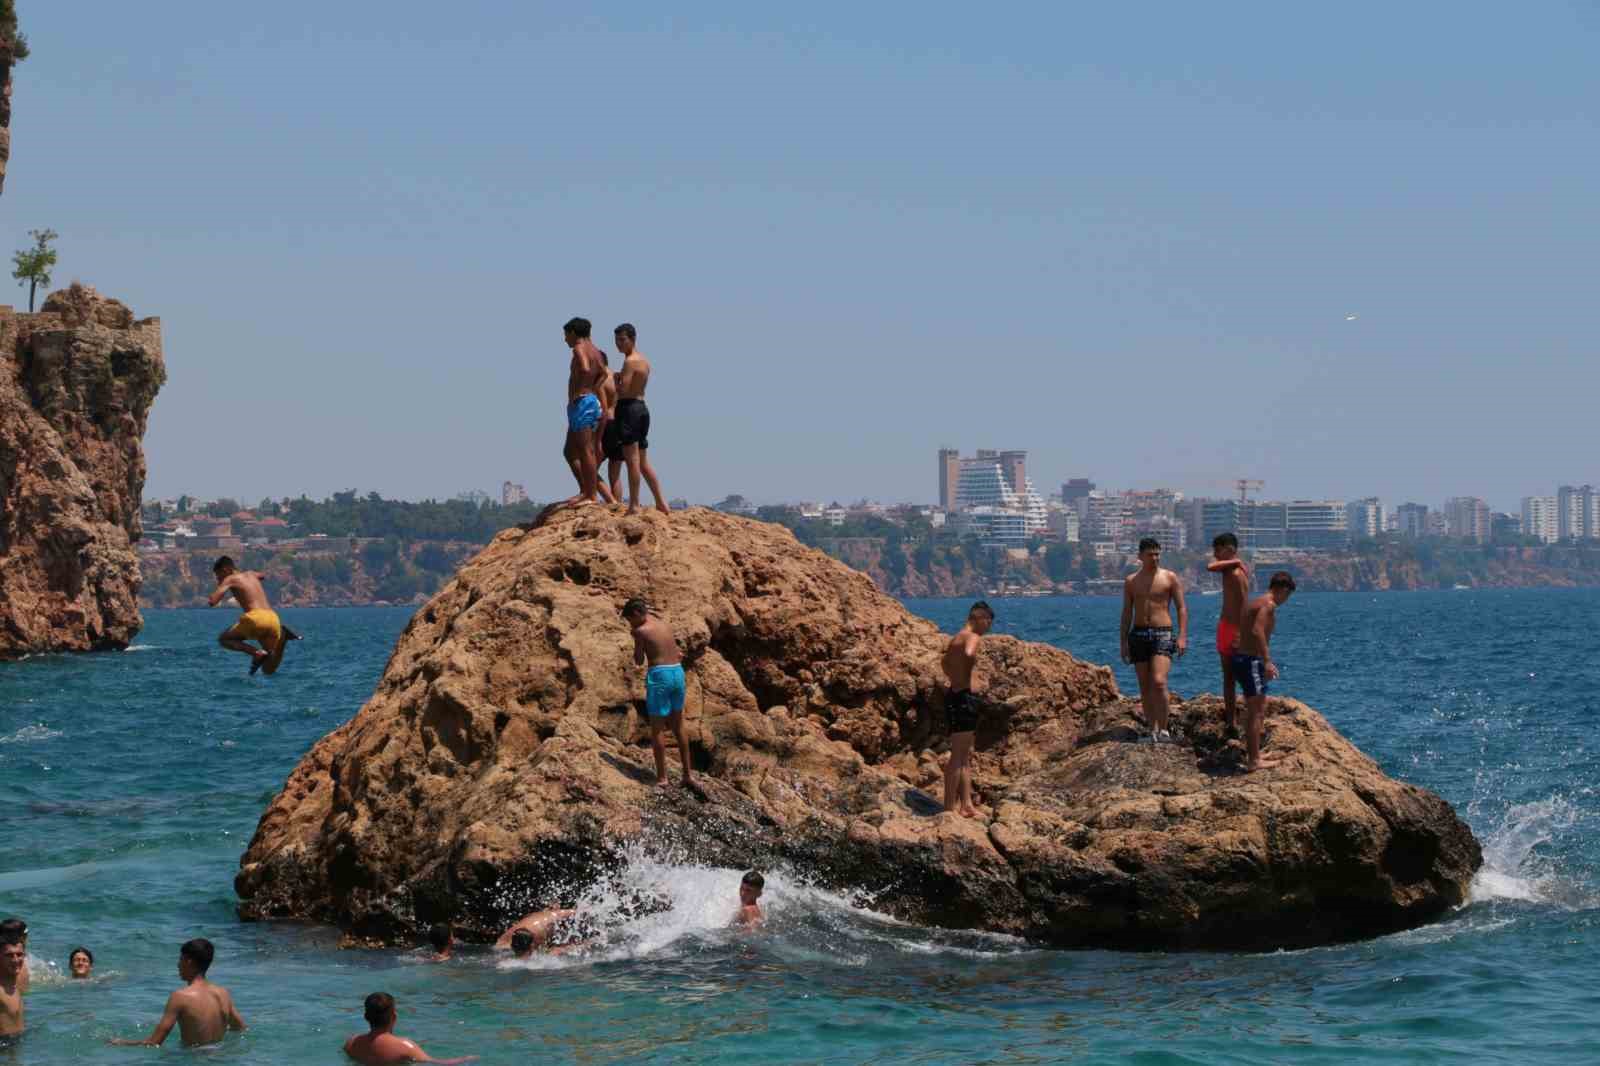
{"type": "Point", "coordinates": [502, 762]}
{"type": "Point", "coordinates": [76, 383]}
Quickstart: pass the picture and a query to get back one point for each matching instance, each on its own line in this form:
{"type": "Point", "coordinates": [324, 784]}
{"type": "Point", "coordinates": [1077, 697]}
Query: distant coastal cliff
{"type": "Point", "coordinates": [958, 570]}
{"type": "Point", "coordinates": [76, 384]}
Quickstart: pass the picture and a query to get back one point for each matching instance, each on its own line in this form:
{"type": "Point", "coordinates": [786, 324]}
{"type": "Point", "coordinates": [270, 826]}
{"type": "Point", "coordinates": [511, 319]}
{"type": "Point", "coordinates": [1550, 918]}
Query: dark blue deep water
{"type": "Point", "coordinates": [131, 782]}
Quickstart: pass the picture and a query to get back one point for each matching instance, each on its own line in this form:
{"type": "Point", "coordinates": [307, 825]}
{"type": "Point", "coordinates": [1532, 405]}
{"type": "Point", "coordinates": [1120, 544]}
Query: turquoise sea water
{"type": "Point", "coordinates": [131, 782]}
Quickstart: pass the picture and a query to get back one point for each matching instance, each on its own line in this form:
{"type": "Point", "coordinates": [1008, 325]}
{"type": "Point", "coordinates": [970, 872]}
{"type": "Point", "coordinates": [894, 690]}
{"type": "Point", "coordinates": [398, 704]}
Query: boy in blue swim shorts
{"type": "Point", "coordinates": [653, 643]}
{"type": "Point", "coordinates": [584, 410]}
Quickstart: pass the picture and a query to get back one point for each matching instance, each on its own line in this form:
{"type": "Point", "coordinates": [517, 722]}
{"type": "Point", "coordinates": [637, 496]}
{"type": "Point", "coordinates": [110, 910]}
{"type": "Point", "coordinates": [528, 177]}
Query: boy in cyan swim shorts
{"type": "Point", "coordinates": [664, 683]}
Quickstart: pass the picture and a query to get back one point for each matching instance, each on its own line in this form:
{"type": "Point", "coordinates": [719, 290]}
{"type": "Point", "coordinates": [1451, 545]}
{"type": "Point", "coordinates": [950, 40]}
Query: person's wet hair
{"type": "Point", "coordinates": [224, 563]}
{"type": "Point", "coordinates": [1149, 544]}
{"type": "Point", "coordinates": [80, 951]}
{"type": "Point", "coordinates": [379, 1009]}
{"type": "Point", "coordinates": [578, 327]}
{"type": "Point", "coordinates": [439, 935]}
{"type": "Point", "coordinates": [200, 952]}
{"type": "Point", "coordinates": [521, 942]}
{"type": "Point", "coordinates": [13, 931]}
{"type": "Point", "coordinates": [635, 606]}
{"type": "Point", "coordinates": [1225, 540]}
{"type": "Point", "coordinates": [754, 880]}
{"type": "Point", "coordinates": [1282, 580]}
{"type": "Point", "coordinates": [981, 607]}
{"type": "Point", "coordinates": [627, 330]}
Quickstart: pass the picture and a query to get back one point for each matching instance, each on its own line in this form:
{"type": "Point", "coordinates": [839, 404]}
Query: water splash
{"type": "Point", "coordinates": [30, 734]}
{"type": "Point", "coordinates": [649, 906]}
{"type": "Point", "coordinates": [1514, 868]}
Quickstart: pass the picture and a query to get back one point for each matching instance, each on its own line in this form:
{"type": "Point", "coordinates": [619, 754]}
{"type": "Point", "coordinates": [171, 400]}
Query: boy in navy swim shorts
{"type": "Point", "coordinates": [653, 643]}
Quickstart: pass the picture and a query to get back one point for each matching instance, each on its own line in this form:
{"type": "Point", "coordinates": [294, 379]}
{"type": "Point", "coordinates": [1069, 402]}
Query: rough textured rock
{"type": "Point", "coordinates": [76, 384]}
{"type": "Point", "coordinates": [502, 762]}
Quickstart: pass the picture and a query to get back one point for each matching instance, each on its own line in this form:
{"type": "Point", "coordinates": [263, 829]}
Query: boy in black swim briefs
{"type": "Point", "coordinates": [1149, 597]}
{"type": "Point", "coordinates": [961, 708]}
{"type": "Point", "coordinates": [1252, 662]}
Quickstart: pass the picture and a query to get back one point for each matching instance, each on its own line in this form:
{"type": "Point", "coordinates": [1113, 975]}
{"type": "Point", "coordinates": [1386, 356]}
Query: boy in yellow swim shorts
{"type": "Point", "coordinates": [258, 623]}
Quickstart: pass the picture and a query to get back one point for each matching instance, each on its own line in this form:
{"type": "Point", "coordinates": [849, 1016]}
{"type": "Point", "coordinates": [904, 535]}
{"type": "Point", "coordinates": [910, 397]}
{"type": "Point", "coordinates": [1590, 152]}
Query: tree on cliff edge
{"type": "Point", "coordinates": [13, 47]}
{"type": "Point", "coordinates": [34, 264]}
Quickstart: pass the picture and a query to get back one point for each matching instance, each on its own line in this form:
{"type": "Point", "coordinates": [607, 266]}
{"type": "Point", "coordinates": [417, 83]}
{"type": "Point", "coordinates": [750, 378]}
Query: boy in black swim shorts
{"type": "Point", "coordinates": [1253, 665]}
{"type": "Point", "coordinates": [961, 708]}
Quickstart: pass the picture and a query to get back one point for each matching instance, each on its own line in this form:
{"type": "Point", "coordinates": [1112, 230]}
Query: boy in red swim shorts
{"type": "Point", "coordinates": [1235, 590]}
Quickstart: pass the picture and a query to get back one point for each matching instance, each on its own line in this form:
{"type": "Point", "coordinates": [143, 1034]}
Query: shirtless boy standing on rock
{"type": "Point", "coordinates": [1148, 597]}
{"type": "Point", "coordinates": [630, 430]}
{"type": "Point", "coordinates": [259, 621]}
{"type": "Point", "coordinates": [1253, 665]}
{"type": "Point", "coordinates": [1235, 590]}
{"type": "Point", "coordinates": [664, 683]}
{"type": "Point", "coordinates": [584, 410]}
{"type": "Point", "coordinates": [961, 708]}
{"type": "Point", "coordinates": [202, 1011]}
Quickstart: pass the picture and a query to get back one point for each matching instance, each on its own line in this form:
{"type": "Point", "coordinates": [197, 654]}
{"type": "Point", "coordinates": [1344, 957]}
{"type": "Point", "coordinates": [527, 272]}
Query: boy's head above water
{"type": "Point", "coordinates": [522, 943]}
{"type": "Point", "coordinates": [194, 958]}
{"type": "Point", "coordinates": [750, 887]}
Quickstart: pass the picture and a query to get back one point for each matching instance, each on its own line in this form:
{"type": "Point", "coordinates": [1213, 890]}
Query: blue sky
{"type": "Point", "coordinates": [1123, 237]}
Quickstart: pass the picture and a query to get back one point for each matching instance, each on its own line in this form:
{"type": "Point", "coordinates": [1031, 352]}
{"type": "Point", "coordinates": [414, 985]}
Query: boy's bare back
{"type": "Point", "coordinates": [205, 1013]}
{"type": "Point", "coordinates": [654, 638]}
{"type": "Point", "coordinates": [960, 657]}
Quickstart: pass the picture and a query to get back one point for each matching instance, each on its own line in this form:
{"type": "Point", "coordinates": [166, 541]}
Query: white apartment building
{"type": "Point", "coordinates": [984, 484]}
{"type": "Point", "coordinates": [1102, 516]}
{"type": "Point", "coordinates": [1365, 517]}
{"type": "Point", "coordinates": [1539, 518]}
{"type": "Point", "coordinates": [511, 492]}
{"type": "Point", "coordinates": [1469, 518]}
{"type": "Point", "coordinates": [1577, 512]}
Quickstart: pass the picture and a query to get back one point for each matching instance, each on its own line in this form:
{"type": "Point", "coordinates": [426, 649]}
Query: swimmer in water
{"type": "Point", "coordinates": [17, 929]}
{"type": "Point", "coordinates": [202, 1011]}
{"type": "Point", "coordinates": [750, 888]}
{"type": "Point", "coordinates": [80, 964]}
{"type": "Point", "coordinates": [259, 621]}
{"type": "Point", "coordinates": [13, 957]}
{"type": "Point", "coordinates": [443, 941]}
{"type": "Point", "coordinates": [378, 1046]}
{"type": "Point", "coordinates": [534, 931]}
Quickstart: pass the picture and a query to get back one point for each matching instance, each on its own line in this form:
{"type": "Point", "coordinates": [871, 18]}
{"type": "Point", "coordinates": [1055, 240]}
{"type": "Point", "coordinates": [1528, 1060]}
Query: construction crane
{"type": "Point", "coordinates": [1245, 485]}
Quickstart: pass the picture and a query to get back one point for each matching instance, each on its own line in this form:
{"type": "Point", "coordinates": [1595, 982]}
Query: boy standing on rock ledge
{"type": "Point", "coordinates": [961, 708]}
{"type": "Point", "coordinates": [664, 683]}
{"type": "Point", "coordinates": [1148, 598]}
{"type": "Point", "coordinates": [1253, 665]}
{"type": "Point", "coordinates": [1235, 590]}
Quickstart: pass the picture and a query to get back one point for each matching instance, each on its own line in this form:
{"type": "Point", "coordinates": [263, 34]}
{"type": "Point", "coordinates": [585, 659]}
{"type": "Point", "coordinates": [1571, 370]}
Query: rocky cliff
{"type": "Point", "coordinates": [502, 762]}
{"type": "Point", "coordinates": [76, 384]}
